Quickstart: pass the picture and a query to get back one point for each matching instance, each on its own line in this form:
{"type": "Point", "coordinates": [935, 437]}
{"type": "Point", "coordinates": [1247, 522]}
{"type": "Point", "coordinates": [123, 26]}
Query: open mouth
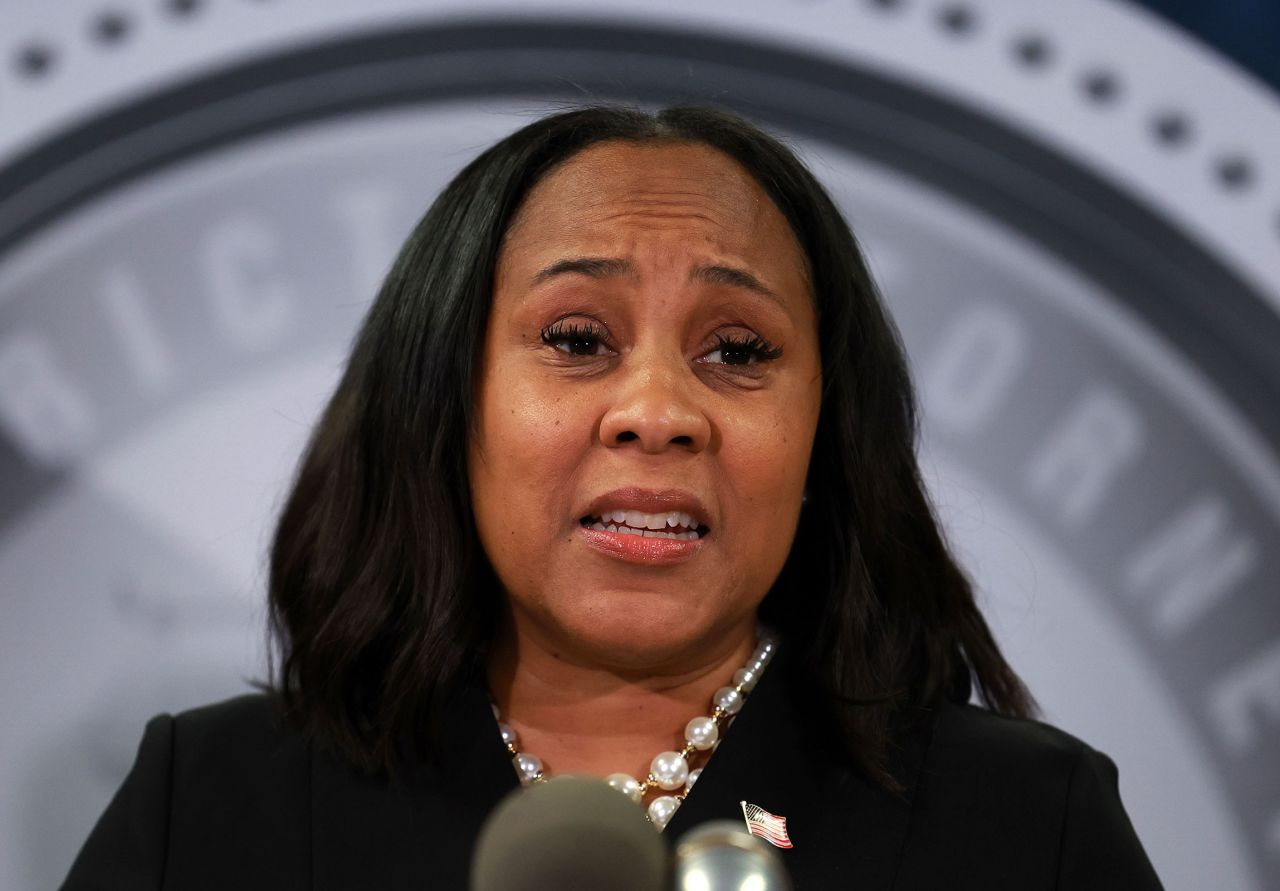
{"type": "Point", "coordinates": [675, 525]}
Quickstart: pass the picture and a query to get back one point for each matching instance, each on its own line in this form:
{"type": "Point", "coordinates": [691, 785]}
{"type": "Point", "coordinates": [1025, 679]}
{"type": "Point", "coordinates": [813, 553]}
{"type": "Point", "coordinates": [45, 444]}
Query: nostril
{"type": "Point", "coordinates": [682, 440]}
{"type": "Point", "coordinates": [626, 436]}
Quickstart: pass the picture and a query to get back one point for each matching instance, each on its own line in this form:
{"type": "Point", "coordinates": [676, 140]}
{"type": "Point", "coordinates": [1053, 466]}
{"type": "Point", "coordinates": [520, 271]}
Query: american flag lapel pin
{"type": "Point", "coordinates": [767, 826]}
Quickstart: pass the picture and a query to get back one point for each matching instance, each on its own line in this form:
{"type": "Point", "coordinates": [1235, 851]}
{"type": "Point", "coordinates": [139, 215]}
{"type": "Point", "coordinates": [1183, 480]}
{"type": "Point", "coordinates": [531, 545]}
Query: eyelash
{"type": "Point", "coordinates": [562, 332]}
{"type": "Point", "coordinates": [757, 349]}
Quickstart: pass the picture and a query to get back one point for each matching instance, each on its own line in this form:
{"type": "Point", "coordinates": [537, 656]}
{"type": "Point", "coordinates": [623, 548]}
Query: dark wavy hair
{"type": "Point", "coordinates": [381, 597]}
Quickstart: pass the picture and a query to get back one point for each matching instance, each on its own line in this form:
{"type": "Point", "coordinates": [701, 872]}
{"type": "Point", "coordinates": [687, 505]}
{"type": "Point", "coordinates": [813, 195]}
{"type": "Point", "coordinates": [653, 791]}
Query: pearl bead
{"type": "Point", "coordinates": [746, 679]}
{"type": "Point", "coordinates": [627, 785]}
{"type": "Point", "coordinates": [728, 699]}
{"type": "Point", "coordinates": [701, 733]}
{"type": "Point", "coordinates": [528, 766]}
{"type": "Point", "coordinates": [670, 770]}
{"type": "Point", "coordinates": [661, 809]}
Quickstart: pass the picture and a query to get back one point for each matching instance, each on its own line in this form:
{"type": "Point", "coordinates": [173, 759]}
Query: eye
{"type": "Point", "coordinates": [747, 349]}
{"type": "Point", "coordinates": [576, 338]}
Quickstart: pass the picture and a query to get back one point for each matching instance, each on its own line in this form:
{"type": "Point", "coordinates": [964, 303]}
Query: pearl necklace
{"type": "Point", "coordinates": [668, 771]}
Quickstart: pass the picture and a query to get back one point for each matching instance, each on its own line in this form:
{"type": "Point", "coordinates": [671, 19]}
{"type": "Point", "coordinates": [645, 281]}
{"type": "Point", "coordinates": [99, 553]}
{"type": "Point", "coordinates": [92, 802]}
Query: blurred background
{"type": "Point", "coordinates": [1073, 211]}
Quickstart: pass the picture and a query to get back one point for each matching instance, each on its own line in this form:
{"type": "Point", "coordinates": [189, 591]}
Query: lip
{"type": "Point", "coordinates": [638, 549]}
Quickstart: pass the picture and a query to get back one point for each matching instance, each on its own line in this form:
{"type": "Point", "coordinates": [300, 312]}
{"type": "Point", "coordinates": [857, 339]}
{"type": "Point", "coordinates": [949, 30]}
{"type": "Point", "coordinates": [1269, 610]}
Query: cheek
{"type": "Point", "coordinates": [773, 443]}
{"type": "Point", "coordinates": [529, 445]}
{"type": "Point", "coordinates": [767, 465]}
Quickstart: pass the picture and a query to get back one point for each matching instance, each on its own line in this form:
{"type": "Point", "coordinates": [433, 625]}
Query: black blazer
{"type": "Point", "coordinates": [225, 797]}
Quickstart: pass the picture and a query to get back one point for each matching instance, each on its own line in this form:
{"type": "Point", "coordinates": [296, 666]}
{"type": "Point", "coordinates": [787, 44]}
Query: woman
{"type": "Point", "coordinates": [627, 407]}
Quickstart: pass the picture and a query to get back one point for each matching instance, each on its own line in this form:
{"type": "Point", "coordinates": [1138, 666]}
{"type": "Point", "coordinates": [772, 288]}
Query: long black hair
{"type": "Point", "coordinates": [381, 597]}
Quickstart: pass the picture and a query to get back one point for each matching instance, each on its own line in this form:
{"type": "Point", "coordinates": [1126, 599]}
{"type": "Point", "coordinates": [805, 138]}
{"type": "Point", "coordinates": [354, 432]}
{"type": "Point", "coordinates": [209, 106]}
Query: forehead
{"type": "Point", "coordinates": [685, 194]}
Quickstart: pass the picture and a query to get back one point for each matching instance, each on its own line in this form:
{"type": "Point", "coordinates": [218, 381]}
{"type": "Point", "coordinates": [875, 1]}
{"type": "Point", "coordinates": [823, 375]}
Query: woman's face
{"type": "Point", "coordinates": [647, 402]}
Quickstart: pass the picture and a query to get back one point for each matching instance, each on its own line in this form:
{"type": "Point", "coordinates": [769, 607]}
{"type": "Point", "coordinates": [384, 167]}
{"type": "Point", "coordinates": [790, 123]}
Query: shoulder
{"type": "Point", "coordinates": [231, 772]}
{"type": "Point", "coordinates": [1025, 765]}
{"type": "Point", "coordinates": [246, 724]}
{"type": "Point", "coordinates": [972, 737]}
{"type": "Point", "coordinates": [1023, 798]}
{"type": "Point", "coordinates": [240, 775]}
{"type": "Point", "coordinates": [238, 743]}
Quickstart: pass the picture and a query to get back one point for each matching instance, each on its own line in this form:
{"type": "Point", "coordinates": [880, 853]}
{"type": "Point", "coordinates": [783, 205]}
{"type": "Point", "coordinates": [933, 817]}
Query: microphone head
{"type": "Point", "coordinates": [723, 856]}
{"type": "Point", "coordinates": [569, 832]}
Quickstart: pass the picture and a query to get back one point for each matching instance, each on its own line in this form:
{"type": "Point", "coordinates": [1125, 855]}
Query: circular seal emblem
{"type": "Point", "coordinates": [181, 273]}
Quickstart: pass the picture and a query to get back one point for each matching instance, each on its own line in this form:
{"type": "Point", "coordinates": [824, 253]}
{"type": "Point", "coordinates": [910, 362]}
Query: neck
{"type": "Point", "coordinates": [591, 716]}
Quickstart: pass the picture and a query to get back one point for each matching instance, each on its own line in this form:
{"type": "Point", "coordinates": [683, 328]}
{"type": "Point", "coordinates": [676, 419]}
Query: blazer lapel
{"type": "Point", "coordinates": [846, 832]}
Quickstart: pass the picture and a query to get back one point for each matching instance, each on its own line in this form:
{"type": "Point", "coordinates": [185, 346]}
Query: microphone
{"type": "Point", "coordinates": [723, 856]}
{"type": "Point", "coordinates": [569, 832]}
{"type": "Point", "coordinates": [579, 833]}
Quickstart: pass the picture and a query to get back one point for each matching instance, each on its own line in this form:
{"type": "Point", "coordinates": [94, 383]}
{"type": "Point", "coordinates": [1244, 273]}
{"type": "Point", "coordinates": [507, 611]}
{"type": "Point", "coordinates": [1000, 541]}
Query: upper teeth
{"type": "Point", "coordinates": [637, 520]}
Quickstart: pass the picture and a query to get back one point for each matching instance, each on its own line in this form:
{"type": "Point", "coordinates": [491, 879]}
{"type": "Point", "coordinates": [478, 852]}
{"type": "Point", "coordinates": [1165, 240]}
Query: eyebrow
{"type": "Point", "coordinates": [614, 267]}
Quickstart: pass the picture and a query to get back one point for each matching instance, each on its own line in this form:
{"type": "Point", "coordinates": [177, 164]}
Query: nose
{"type": "Point", "coordinates": [656, 407]}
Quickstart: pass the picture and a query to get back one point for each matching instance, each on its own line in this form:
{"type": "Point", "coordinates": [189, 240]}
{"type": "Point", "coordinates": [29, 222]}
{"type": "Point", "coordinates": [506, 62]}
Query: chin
{"type": "Point", "coordinates": [633, 639]}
